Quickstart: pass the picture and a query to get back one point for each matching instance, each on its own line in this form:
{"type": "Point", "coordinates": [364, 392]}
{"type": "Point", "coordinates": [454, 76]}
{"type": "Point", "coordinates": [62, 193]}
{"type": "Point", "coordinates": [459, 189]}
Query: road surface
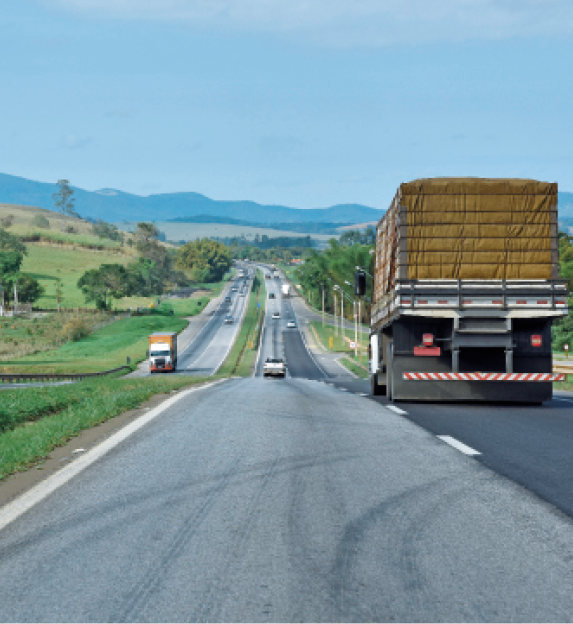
{"type": "Point", "coordinates": [288, 501]}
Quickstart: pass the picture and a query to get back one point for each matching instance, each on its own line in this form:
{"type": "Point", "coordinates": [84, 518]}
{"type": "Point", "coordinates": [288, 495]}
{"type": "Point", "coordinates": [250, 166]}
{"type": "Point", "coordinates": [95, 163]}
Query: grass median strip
{"type": "Point", "coordinates": [34, 421]}
{"type": "Point", "coordinates": [241, 357]}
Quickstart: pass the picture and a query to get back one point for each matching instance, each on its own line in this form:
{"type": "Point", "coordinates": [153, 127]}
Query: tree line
{"type": "Point", "coordinates": [335, 265]}
{"type": "Point", "coordinates": [157, 268]}
{"type": "Point", "coordinates": [563, 329]}
{"type": "Point", "coordinates": [13, 282]}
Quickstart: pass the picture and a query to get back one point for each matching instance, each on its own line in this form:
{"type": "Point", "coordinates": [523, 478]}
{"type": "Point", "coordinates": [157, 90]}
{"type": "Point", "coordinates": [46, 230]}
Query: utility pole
{"type": "Point", "coordinates": [15, 297]}
{"type": "Point", "coordinates": [1, 297]}
{"type": "Point", "coordinates": [355, 329]}
{"type": "Point", "coordinates": [342, 316]}
{"type": "Point", "coordinates": [323, 306]}
{"type": "Point", "coordinates": [360, 321]}
{"type": "Point", "coordinates": [335, 324]}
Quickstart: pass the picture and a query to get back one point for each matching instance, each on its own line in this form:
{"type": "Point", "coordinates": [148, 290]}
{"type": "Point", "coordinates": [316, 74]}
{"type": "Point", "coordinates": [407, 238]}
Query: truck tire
{"type": "Point", "coordinates": [390, 371]}
{"type": "Point", "coordinates": [375, 388]}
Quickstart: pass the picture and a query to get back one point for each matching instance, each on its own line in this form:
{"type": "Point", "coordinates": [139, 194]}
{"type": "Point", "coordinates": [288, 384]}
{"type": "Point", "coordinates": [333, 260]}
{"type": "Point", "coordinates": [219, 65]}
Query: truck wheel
{"type": "Point", "coordinates": [390, 371]}
{"type": "Point", "coordinates": [375, 388]}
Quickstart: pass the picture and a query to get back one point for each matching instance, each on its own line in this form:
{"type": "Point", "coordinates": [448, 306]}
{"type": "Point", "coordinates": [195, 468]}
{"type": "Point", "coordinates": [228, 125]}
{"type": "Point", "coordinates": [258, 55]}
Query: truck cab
{"type": "Point", "coordinates": [163, 352]}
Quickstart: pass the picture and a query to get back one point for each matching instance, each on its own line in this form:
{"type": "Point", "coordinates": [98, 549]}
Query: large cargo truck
{"type": "Point", "coordinates": [466, 287]}
{"type": "Point", "coordinates": [285, 290]}
{"type": "Point", "coordinates": [163, 352]}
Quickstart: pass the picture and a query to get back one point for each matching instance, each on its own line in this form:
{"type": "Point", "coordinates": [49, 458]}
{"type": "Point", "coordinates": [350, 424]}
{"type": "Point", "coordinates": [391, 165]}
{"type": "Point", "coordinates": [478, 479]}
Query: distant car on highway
{"type": "Point", "coordinates": [274, 367]}
{"type": "Point", "coordinates": [271, 295]}
{"type": "Point", "coordinates": [241, 294]}
{"type": "Point", "coordinates": [227, 299]}
{"type": "Point", "coordinates": [276, 315]}
{"type": "Point", "coordinates": [234, 289]}
{"type": "Point", "coordinates": [267, 276]}
{"type": "Point", "coordinates": [228, 319]}
{"type": "Point", "coordinates": [291, 324]}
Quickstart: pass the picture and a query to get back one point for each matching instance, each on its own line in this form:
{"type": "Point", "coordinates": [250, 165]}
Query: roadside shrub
{"type": "Point", "coordinates": [41, 221]}
{"type": "Point", "coordinates": [75, 329]}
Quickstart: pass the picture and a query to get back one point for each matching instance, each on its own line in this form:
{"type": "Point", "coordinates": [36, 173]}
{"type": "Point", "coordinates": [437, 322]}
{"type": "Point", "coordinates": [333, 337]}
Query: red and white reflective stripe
{"type": "Point", "coordinates": [484, 377]}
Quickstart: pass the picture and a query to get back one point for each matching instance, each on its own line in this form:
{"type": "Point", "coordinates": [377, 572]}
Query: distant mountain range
{"type": "Point", "coordinates": [115, 206]}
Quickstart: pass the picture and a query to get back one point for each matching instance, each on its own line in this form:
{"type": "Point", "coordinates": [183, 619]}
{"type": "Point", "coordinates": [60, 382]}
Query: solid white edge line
{"type": "Point", "coordinates": [563, 399]}
{"type": "Point", "coordinates": [346, 370]}
{"type": "Point", "coordinates": [460, 446]}
{"type": "Point", "coordinates": [42, 490]}
{"type": "Point", "coordinates": [395, 409]}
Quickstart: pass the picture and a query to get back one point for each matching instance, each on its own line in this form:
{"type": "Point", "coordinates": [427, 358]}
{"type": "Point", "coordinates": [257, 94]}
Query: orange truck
{"type": "Point", "coordinates": [162, 352]}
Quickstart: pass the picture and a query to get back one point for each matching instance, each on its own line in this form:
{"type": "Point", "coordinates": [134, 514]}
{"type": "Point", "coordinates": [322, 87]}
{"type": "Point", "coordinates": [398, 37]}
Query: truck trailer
{"type": "Point", "coordinates": [163, 352]}
{"type": "Point", "coordinates": [465, 289]}
{"type": "Point", "coordinates": [285, 291]}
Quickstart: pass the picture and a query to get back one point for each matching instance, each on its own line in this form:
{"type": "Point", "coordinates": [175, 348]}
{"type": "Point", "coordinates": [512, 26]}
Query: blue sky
{"type": "Point", "coordinates": [306, 103]}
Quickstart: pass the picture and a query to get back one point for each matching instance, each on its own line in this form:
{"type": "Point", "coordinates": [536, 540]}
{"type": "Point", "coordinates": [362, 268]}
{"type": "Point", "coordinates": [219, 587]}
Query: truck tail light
{"type": "Point", "coordinates": [535, 340]}
{"type": "Point", "coordinates": [428, 340]}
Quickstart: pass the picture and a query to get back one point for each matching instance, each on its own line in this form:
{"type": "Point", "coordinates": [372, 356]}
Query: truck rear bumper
{"type": "Point", "coordinates": [446, 386]}
{"type": "Point", "coordinates": [520, 377]}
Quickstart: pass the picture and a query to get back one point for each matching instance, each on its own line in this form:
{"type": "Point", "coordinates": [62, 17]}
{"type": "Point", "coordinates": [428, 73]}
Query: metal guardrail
{"type": "Point", "coordinates": [22, 377]}
{"type": "Point", "coordinates": [565, 370]}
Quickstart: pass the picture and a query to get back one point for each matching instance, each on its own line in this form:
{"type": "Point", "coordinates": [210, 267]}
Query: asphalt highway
{"type": "Point", "coordinates": [286, 501]}
{"type": "Point", "coordinates": [205, 354]}
{"type": "Point", "coordinates": [531, 445]}
{"type": "Point", "coordinates": [280, 341]}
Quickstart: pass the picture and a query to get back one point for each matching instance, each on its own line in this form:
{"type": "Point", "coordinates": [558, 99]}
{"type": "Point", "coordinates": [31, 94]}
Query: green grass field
{"type": "Point", "coordinates": [242, 356]}
{"type": "Point", "coordinates": [34, 421]}
{"type": "Point", "coordinates": [104, 349]}
{"type": "Point", "coordinates": [47, 264]}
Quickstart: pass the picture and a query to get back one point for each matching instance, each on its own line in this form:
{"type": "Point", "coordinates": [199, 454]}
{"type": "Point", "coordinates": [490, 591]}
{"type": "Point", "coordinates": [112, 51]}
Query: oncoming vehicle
{"type": "Point", "coordinates": [291, 324]}
{"type": "Point", "coordinates": [274, 367]}
{"type": "Point", "coordinates": [162, 352]}
{"type": "Point", "coordinates": [228, 319]}
{"type": "Point", "coordinates": [276, 315]}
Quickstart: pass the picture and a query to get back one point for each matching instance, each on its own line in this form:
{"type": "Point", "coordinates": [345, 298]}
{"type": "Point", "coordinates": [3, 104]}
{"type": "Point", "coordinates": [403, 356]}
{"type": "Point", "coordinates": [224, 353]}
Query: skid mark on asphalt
{"type": "Point", "coordinates": [218, 589]}
{"type": "Point", "coordinates": [149, 584]}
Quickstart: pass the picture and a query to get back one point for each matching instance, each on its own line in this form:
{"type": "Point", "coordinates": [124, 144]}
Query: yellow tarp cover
{"type": "Point", "coordinates": [472, 228]}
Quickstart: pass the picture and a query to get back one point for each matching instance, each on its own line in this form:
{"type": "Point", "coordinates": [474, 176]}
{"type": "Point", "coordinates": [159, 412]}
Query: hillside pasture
{"type": "Point", "coordinates": [47, 263]}
{"type": "Point", "coordinates": [176, 231]}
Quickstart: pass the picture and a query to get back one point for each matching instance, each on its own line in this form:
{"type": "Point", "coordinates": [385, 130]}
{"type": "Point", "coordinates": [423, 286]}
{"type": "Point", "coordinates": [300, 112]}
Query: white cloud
{"type": "Point", "coordinates": [351, 22]}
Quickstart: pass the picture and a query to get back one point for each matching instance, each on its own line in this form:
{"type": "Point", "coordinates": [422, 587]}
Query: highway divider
{"type": "Point", "coordinates": [240, 360]}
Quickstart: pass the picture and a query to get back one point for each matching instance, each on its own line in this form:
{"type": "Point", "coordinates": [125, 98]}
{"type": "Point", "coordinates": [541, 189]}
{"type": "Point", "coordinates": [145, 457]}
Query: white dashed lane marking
{"type": "Point", "coordinates": [395, 409]}
{"type": "Point", "coordinates": [460, 446]}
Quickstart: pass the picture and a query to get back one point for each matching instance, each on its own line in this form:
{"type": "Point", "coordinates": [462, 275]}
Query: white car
{"type": "Point", "coordinates": [274, 367]}
{"type": "Point", "coordinates": [291, 324]}
{"type": "Point", "coordinates": [276, 315]}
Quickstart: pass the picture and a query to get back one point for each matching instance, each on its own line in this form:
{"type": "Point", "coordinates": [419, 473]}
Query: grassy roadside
{"type": "Point", "coordinates": [104, 349]}
{"type": "Point", "coordinates": [241, 357]}
{"type": "Point", "coordinates": [352, 365]}
{"type": "Point", "coordinates": [34, 421]}
{"type": "Point", "coordinates": [30, 345]}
